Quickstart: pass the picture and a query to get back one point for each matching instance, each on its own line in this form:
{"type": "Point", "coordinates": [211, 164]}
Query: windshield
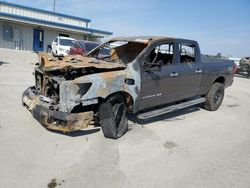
{"type": "Point", "coordinates": [80, 44]}
{"type": "Point", "coordinates": [66, 42]}
{"type": "Point", "coordinates": [118, 51]}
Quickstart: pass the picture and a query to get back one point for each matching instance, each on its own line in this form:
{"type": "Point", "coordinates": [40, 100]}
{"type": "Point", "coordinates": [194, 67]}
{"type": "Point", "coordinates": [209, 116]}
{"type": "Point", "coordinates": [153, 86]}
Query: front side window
{"type": "Point", "coordinates": [187, 53]}
{"type": "Point", "coordinates": [162, 54]}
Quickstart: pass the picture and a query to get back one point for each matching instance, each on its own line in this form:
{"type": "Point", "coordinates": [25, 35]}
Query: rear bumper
{"type": "Point", "coordinates": [54, 119]}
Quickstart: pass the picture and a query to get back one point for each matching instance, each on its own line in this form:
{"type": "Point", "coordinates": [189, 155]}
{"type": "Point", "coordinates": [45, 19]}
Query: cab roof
{"type": "Point", "coordinates": [147, 39]}
{"type": "Point", "coordinates": [62, 37]}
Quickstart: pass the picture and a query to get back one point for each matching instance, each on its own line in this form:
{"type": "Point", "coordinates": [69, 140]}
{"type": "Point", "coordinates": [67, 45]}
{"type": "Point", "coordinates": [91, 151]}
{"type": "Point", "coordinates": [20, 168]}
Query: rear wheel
{"type": "Point", "coordinates": [247, 68]}
{"type": "Point", "coordinates": [53, 53]}
{"type": "Point", "coordinates": [113, 117]}
{"type": "Point", "coordinates": [214, 97]}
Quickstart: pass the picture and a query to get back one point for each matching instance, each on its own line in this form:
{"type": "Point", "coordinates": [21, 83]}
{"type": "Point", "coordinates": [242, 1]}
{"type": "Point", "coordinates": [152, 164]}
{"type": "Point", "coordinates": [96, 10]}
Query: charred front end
{"type": "Point", "coordinates": [51, 117]}
{"type": "Point", "coordinates": [61, 98]}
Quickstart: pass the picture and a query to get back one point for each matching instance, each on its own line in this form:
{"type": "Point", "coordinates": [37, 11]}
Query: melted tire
{"type": "Point", "coordinates": [113, 117]}
{"type": "Point", "coordinates": [214, 97]}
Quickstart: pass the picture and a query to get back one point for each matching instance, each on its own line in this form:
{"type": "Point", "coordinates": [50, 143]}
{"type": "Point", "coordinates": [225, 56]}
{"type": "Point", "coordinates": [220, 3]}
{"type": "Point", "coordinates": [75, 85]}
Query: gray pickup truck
{"type": "Point", "coordinates": [137, 75]}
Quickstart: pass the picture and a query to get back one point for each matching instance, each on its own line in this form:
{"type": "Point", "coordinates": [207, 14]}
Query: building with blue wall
{"type": "Point", "coordinates": [27, 28]}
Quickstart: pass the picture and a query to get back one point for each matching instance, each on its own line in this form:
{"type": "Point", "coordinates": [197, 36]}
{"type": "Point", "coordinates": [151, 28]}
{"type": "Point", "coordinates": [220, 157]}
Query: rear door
{"type": "Point", "coordinates": [190, 70]}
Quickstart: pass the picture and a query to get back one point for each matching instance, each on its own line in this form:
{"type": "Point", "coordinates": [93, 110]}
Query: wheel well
{"type": "Point", "coordinates": [127, 97]}
{"type": "Point", "coordinates": [220, 79]}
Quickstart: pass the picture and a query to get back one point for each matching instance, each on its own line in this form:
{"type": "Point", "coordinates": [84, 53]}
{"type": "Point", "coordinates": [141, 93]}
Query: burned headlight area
{"type": "Point", "coordinates": [47, 87]}
{"type": "Point", "coordinates": [71, 94]}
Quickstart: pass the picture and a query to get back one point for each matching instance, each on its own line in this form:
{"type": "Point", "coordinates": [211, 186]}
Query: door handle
{"type": "Point", "coordinates": [174, 74]}
{"type": "Point", "coordinates": [198, 71]}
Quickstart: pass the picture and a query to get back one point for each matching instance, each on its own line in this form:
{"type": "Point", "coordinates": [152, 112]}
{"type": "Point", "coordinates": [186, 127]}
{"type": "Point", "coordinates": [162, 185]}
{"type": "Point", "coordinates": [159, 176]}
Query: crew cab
{"type": "Point", "coordinates": [148, 76]}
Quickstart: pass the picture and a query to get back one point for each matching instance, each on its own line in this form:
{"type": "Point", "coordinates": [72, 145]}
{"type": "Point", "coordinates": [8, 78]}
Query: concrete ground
{"type": "Point", "coordinates": [189, 148]}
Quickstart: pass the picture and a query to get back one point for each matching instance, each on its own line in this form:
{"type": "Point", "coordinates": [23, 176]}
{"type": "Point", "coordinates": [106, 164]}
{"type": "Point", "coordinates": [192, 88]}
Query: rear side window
{"type": "Point", "coordinates": [187, 53]}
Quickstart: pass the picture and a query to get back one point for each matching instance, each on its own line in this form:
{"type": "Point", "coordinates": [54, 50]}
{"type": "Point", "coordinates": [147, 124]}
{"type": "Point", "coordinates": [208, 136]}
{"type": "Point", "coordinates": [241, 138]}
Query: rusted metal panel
{"type": "Point", "coordinates": [74, 122]}
{"type": "Point", "coordinates": [55, 120]}
{"type": "Point", "coordinates": [50, 63]}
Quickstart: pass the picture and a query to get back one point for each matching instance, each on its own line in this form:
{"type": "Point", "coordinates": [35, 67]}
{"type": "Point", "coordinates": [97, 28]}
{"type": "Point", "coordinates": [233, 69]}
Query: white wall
{"type": "Point", "coordinates": [26, 35]}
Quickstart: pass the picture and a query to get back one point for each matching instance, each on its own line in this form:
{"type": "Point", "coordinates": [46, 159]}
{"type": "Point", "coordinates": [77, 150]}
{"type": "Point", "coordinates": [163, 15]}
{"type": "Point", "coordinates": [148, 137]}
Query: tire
{"type": "Point", "coordinates": [248, 70]}
{"type": "Point", "coordinates": [214, 97]}
{"type": "Point", "coordinates": [49, 50]}
{"type": "Point", "coordinates": [53, 54]}
{"type": "Point", "coordinates": [237, 71]}
{"type": "Point", "coordinates": [113, 117]}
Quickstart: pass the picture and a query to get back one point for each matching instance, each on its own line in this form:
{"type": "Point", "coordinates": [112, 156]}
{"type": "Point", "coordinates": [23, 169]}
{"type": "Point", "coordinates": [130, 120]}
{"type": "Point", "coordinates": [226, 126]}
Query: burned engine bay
{"type": "Point", "coordinates": [51, 71]}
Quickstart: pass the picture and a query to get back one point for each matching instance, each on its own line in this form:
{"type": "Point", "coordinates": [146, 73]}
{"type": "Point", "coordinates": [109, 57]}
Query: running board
{"type": "Point", "coordinates": [172, 108]}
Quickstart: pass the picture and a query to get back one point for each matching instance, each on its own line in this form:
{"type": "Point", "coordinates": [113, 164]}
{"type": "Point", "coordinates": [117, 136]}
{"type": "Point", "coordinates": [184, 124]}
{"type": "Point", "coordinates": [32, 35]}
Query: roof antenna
{"type": "Point", "coordinates": [54, 7]}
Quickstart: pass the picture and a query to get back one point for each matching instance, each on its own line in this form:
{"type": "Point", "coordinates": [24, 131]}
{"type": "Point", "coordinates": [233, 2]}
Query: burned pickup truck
{"type": "Point", "coordinates": [137, 75]}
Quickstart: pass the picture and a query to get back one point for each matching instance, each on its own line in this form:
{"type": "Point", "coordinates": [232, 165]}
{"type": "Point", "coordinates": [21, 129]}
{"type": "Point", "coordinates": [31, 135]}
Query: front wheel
{"type": "Point", "coordinates": [214, 97]}
{"type": "Point", "coordinates": [113, 117]}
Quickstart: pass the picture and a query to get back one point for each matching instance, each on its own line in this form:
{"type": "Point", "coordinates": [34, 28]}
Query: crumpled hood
{"type": "Point", "coordinates": [50, 63]}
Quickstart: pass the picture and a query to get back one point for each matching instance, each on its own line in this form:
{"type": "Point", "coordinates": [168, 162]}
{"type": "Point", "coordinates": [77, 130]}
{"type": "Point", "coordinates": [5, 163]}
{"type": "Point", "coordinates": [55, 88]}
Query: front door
{"type": "Point", "coordinates": [159, 63]}
{"type": "Point", "coordinates": [38, 40]}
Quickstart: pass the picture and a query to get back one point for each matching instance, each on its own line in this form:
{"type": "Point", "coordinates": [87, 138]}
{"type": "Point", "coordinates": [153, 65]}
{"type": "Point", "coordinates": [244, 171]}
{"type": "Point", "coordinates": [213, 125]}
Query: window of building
{"type": "Point", "coordinates": [187, 53]}
{"type": "Point", "coordinates": [63, 35]}
{"type": "Point", "coordinates": [7, 33]}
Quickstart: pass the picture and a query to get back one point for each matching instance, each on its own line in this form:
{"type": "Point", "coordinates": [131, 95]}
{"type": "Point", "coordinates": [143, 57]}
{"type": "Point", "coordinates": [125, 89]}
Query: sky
{"type": "Point", "coordinates": [218, 25]}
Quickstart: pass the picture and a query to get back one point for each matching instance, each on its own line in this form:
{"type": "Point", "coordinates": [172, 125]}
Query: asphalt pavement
{"type": "Point", "coordinates": [189, 148]}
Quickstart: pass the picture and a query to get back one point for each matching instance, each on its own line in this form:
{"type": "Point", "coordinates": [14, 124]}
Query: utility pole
{"type": "Point", "coordinates": [54, 7]}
